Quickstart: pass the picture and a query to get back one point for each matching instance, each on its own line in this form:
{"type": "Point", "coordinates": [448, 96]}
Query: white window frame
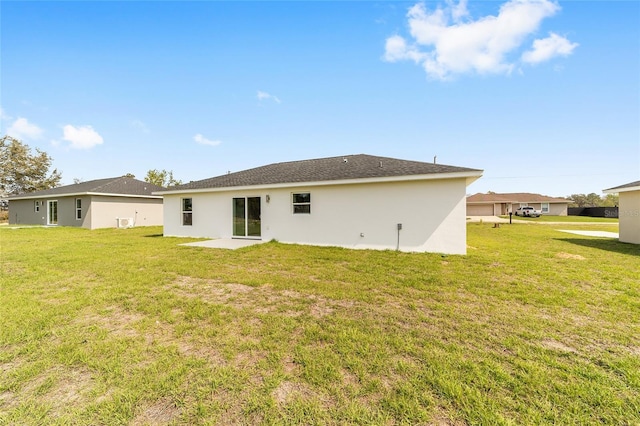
{"type": "Point", "coordinates": [544, 209]}
{"type": "Point", "coordinates": [186, 212]}
{"type": "Point", "coordinates": [78, 209]}
{"type": "Point", "coordinates": [303, 204]}
{"type": "Point", "coordinates": [36, 206]}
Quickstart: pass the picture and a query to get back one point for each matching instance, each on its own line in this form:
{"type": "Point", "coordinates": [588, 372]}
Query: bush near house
{"type": "Point", "coordinates": [533, 326]}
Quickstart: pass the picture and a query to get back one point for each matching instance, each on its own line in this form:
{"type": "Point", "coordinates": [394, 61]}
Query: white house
{"type": "Point", "coordinates": [355, 201]}
{"type": "Point", "coordinates": [628, 211]}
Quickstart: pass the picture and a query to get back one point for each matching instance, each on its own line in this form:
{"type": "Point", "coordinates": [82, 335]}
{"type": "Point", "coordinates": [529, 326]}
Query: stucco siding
{"type": "Point", "coordinates": [23, 212]}
{"type": "Point", "coordinates": [105, 210]}
{"type": "Point", "coordinates": [629, 216]}
{"type": "Point", "coordinates": [480, 209]}
{"type": "Point", "coordinates": [558, 209]}
{"type": "Point", "coordinates": [432, 214]}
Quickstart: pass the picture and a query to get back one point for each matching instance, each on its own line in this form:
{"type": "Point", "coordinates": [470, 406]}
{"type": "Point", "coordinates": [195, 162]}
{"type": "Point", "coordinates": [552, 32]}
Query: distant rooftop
{"type": "Point", "coordinates": [345, 167]}
{"type": "Point", "coordinates": [110, 186]}
{"type": "Point", "coordinates": [514, 197]}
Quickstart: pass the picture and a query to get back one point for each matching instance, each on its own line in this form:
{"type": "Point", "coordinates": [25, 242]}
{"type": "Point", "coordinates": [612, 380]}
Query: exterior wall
{"type": "Point", "coordinates": [480, 209]}
{"type": "Point", "coordinates": [490, 209]}
{"type": "Point", "coordinates": [23, 212]}
{"type": "Point", "coordinates": [558, 209]}
{"type": "Point", "coordinates": [104, 211]}
{"type": "Point", "coordinates": [629, 213]}
{"type": "Point", "coordinates": [432, 214]}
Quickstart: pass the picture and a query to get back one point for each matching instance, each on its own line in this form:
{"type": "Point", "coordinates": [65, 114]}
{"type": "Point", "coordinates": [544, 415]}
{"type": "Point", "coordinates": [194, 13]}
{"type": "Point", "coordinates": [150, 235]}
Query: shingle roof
{"type": "Point", "coordinates": [628, 185]}
{"type": "Point", "coordinates": [346, 167]}
{"type": "Point", "coordinates": [118, 185]}
{"type": "Point", "coordinates": [514, 197]}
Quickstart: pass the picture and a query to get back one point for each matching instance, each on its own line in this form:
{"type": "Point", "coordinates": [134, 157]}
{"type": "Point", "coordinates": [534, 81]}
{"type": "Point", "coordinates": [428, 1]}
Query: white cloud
{"type": "Point", "coordinates": [81, 137]}
{"type": "Point", "coordinates": [21, 128]}
{"type": "Point", "coordinates": [204, 141]}
{"type": "Point", "coordinates": [447, 42]}
{"type": "Point", "coordinates": [138, 124]}
{"type": "Point", "coordinates": [266, 96]}
{"type": "Point", "coordinates": [547, 48]}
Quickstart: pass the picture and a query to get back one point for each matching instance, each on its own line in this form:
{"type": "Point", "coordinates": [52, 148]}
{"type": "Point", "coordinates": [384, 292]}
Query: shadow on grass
{"type": "Point", "coordinates": [607, 244]}
{"type": "Point", "coordinates": [153, 235]}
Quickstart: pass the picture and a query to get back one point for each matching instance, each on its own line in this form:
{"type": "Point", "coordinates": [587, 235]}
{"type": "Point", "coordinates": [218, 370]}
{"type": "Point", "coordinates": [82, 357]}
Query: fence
{"type": "Point", "coordinates": [593, 211]}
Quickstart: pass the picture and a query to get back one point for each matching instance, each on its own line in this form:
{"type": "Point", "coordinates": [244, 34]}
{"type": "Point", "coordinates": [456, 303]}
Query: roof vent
{"type": "Point", "coordinates": [380, 164]}
{"type": "Point", "coordinates": [345, 160]}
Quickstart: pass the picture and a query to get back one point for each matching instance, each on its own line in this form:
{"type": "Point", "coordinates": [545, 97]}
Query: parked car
{"type": "Point", "coordinates": [528, 211]}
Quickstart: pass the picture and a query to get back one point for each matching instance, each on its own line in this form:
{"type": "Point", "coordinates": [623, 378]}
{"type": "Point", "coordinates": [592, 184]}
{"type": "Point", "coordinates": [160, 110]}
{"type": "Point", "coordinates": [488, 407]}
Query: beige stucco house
{"type": "Point", "coordinates": [102, 203]}
{"type": "Point", "coordinates": [354, 201]}
{"type": "Point", "coordinates": [493, 204]}
{"type": "Point", "coordinates": [628, 211]}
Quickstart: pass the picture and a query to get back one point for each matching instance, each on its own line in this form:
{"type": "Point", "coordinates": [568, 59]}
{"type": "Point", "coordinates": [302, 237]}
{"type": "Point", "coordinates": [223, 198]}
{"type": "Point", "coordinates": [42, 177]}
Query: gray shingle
{"type": "Point", "coordinates": [323, 169]}
{"type": "Point", "coordinates": [628, 185]}
{"type": "Point", "coordinates": [117, 185]}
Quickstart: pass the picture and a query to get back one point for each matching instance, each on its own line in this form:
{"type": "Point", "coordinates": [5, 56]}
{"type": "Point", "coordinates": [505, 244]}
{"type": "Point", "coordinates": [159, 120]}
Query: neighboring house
{"type": "Point", "coordinates": [628, 211]}
{"type": "Point", "coordinates": [102, 203]}
{"type": "Point", "coordinates": [354, 201]}
{"type": "Point", "coordinates": [493, 204]}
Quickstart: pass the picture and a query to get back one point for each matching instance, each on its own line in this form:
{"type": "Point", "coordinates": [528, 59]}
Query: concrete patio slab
{"type": "Point", "coordinates": [603, 234]}
{"type": "Point", "coordinates": [225, 243]}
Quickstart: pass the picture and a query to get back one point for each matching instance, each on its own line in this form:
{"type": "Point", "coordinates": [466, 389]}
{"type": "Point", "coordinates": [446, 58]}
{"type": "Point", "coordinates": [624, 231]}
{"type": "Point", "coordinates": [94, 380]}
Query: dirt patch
{"type": "Point", "coordinates": [558, 346]}
{"type": "Point", "coordinates": [161, 412]}
{"type": "Point", "coordinates": [115, 320]}
{"type": "Point", "coordinates": [289, 391]}
{"type": "Point", "coordinates": [563, 255]}
{"type": "Point", "coordinates": [70, 390]}
{"type": "Point", "coordinates": [262, 300]}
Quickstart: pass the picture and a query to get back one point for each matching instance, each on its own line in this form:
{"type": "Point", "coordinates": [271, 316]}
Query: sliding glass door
{"type": "Point", "coordinates": [52, 212]}
{"type": "Point", "coordinates": [246, 217]}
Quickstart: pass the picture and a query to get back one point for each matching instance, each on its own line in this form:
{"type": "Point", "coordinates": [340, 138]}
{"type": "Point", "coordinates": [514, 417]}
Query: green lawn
{"type": "Point", "coordinates": [114, 327]}
{"type": "Point", "coordinates": [576, 219]}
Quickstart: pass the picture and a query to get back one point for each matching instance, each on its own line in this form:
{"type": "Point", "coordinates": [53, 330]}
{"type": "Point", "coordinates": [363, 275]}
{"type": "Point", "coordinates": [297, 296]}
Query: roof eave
{"type": "Point", "coordinates": [76, 194]}
{"type": "Point", "coordinates": [469, 176]}
{"type": "Point", "coordinates": [617, 190]}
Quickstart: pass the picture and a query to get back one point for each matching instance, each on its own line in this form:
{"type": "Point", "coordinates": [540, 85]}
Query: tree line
{"type": "Point", "coordinates": [593, 200]}
{"type": "Point", "coordinates": [23, 171]}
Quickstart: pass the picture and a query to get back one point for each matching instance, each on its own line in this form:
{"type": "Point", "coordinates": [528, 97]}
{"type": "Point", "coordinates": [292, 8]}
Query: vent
{"type": "Point", "coordinates": [125, 222]}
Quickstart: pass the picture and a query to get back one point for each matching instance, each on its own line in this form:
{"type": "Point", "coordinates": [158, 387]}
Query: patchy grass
{"type": "Point", "coordinates": [113, 327]}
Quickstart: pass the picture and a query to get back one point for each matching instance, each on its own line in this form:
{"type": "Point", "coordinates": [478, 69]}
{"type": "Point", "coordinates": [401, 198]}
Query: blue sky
{"type": "Point", "coordinates": [544, 96]}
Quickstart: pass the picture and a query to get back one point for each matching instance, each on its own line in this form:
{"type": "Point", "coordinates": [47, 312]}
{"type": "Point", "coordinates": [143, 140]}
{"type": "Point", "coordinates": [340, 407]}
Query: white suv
{"type": "Point", "coordinates": [527, 211]}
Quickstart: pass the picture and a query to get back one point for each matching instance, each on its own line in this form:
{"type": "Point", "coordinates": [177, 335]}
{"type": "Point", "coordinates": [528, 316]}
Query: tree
{"type": "Point", "coordinates": [611, 200]}
{"type": "Point", "coordinates": [21, 171]}
{"type": "Point", "coordinates": [162, 178]}
{"type": "Point", "coordinates": [592, 200]}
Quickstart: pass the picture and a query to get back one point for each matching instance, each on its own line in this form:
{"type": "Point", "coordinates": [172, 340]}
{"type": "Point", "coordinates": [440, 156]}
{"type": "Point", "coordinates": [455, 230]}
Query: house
{"type": "Point", "coordinates": [102, 203]}
{"type": "Point", "coordinates": [492, 204]}
{"type": "Point", "coordinates": [628, 211]}
{"type": "Point", "coordinates": [354, 201]}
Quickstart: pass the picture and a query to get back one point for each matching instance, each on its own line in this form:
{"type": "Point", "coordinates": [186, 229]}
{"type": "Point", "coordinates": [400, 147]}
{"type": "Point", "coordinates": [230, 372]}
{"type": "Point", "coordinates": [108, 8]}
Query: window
{"type": "Point", "coordinates": [302, 203]}
{"type": "Point", "coordinates": [78, 208]}
{"type": "Point", "coordinates": [544, 207]}
{"type": "Point", "coordinates": [36, 207]}
{"type": "Point", "coordinates": [187, 212]}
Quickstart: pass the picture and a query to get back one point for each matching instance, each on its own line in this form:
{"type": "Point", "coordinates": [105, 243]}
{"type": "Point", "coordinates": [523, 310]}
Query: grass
{"type": "Point", "coordinates": [113, 327]}
{"type": "Point", "coordinates": [574, 219]}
